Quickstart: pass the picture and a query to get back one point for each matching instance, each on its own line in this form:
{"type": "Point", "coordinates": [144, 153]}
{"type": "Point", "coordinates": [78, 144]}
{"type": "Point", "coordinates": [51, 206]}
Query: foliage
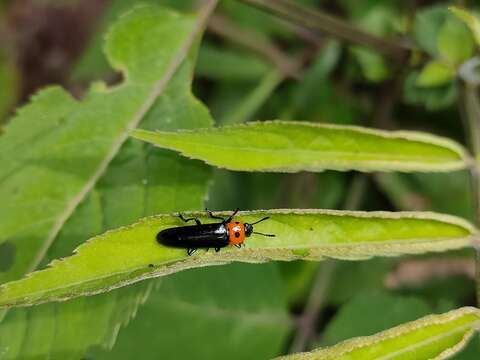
{"type": "Point", "coordinates": [88, 178]}
{"type": "Point", "coordinates": [432, 337]}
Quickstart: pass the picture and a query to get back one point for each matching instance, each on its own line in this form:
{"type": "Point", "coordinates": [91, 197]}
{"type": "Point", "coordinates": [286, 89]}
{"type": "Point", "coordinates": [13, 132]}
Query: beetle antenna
{"type": "Point", "coordinates": [256, 222]}
{"type": "Point", "coordinates": [231, 216]}
{"type": "Point", "coordinates": [259, 233]}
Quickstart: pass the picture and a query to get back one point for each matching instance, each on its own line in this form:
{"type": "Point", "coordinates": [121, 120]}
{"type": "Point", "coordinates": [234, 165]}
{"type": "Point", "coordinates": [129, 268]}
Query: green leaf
{"type": "Point", "coordinates": [435, 74]}
{"type": "Point", "coordinates": [132, 253]}
{"type": "Point", "coordinates": [64, 330]}
{"type": "Point", "coordinates": [432, 337]}
{"type": "Point", "coordinates": [281, 146]}
{"type": "Point", "coordinates": [123, 191]}
{"type": "Point", "coordinates": [454, 42]}
{"type": "Point", "coordinates": [41, 181]}
{"type": "Point", "coordinates": [472, 21]}
{"type": "Point", "coordinates": [373, 66]}
{"type": "Point", "coordinates": [470, 352]}
{"type": "Point", "coordinates": [428, 22]}
{"type": "Point", "coordinates": [92, 63]}
{"type": "Point", "coordinates": [208, 304]}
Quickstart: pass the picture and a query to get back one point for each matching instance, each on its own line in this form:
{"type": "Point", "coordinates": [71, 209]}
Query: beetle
{"type": "Point", "coordinates": [215, 235]}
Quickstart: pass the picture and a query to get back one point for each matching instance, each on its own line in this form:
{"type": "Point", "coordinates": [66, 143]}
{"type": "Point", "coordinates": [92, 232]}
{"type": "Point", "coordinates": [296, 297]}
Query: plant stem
{"type": "Point", "coordinates": [316, 299]}
{"type": "Point", "coordinates": [470, 110]}
{"type": "Point", "coordinates": [313, 19]}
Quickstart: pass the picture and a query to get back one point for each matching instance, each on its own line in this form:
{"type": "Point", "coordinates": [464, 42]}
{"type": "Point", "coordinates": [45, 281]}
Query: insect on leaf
{"type": "Point", "coordinates": [129, 254]}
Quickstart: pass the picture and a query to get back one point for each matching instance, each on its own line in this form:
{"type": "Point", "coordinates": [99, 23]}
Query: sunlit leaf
{"type": "Point", "coordinates": [40, 176]}
{"type": "Point", "coordinates": [281, 146]}
{"type": "Point", "coordinates": [432, 337]}
{"type": "Point", "coordinates": [435, 73]}
{"type": "Point", "coordinates": [64, 330]}
{"type": "Point", "coordinates": [454, 42]}
{"type": "Point", "coordinates": [132, 253]}
{"type": "Point", "coordinates": [472, 21]}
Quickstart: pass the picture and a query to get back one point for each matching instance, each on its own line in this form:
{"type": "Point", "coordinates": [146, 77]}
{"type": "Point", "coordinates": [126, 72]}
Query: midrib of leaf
{"type": "Point", "coordinates": [433, 339]}
{"type": "Point", "coordinates": [156, 91]}
{"type": "Point", "coordinates": [252, 256]}
{"type": "Point", "coordinates": [440, 154]}
{"type": "Point", "coordinates": [329, 155]}
{"type": "Point", "coordinates": [391, 234]}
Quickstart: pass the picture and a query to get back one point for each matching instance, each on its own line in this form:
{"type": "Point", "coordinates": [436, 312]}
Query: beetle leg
{"type": "Point", "coordinates": [217, 249]}
{"type": "Point", "coordinates": [191, 251]}
{"type": "Point", "coordinates": [214, 216]}
{"type": "Point", "coordinates": [238, 245]}
{"type": "Point", "coordinates": [187, 220]}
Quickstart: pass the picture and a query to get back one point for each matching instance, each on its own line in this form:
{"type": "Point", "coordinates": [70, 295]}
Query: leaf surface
{"type": "Point", "coordinates": [432, 337]}
{"type": "Point", "coordinates": [281, 146]}
{"type": "Point", "coordinates": [40, 177]}
{"type": "Point", "coordinates": [472, 21]}
{"type": "Point", "coordinates": [130, 254]}
{"type": "Point", "coordinates": [455, 42]}
{"type": "Point", "coordinates": [131, 188]}
{"type": "Point", "coordinates": [435, 74]}
{"type": "Point", "coordinates": [205, 304]}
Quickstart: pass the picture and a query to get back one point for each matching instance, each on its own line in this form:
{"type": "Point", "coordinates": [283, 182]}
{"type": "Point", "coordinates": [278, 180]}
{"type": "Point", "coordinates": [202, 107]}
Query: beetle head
{"type": "Point", "coordinates": [249, 228]}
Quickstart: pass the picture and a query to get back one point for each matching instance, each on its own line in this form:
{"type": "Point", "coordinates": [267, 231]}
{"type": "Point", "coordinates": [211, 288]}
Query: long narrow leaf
{"type": "Point", "coordinates": [432, 337]}
{"type": "Point", "coordinates": [130, 254]}
{"type": "Point", "coordinates": [281, 146]}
